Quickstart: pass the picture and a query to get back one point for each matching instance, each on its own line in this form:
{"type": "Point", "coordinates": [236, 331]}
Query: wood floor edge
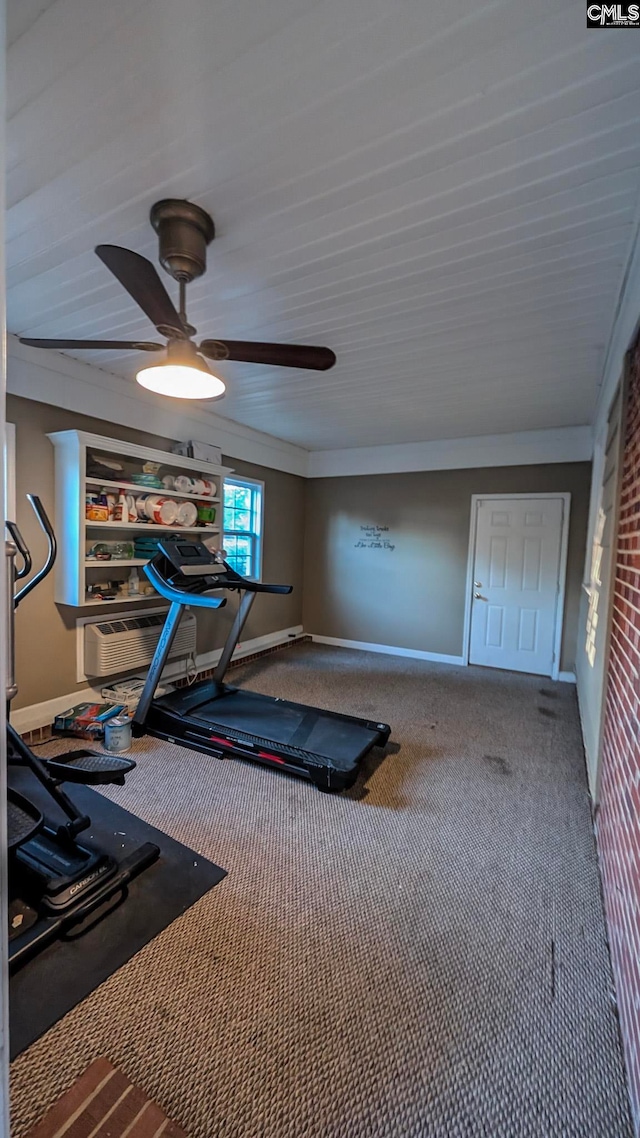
{"type": "Point", "coordinates": [104, 1093]}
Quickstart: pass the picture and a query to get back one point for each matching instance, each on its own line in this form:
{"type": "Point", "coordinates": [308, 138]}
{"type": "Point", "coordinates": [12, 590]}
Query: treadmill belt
{"type": "Point", "coordinates": [340, 741]}
{"type": "Point", "coordinates": [300, 737]}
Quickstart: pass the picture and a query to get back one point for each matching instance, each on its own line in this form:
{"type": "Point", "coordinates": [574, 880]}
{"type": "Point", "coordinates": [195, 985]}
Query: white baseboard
{"type": "Point", "coordinates": [411, 653]}
{"type": "Point", "coordinates": [388, 650]}
{"type": "Point", "coordinates": [42, 714]}
{"type": "Point", "coordinates": [244, 648]}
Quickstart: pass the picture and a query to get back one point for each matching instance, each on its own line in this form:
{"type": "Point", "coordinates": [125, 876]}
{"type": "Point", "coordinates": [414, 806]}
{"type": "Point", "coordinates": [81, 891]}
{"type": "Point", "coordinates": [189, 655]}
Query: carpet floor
{"type": "Point", "coordinates": [423, 956]}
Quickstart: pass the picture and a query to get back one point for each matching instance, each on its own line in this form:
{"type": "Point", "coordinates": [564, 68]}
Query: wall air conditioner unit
{"type": "Point", "coordinates": [114, 646]}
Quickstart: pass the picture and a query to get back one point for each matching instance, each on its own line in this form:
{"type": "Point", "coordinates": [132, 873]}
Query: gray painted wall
{"type": "Point", "coordinates": [45, 632]}
{"type": "Point", "coordinates": [413, 596]}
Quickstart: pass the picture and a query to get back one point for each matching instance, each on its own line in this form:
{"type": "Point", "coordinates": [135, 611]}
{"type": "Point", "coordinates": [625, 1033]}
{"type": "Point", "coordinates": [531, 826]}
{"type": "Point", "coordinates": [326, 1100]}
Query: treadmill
{"type": "Point", "coordinates": [324, 747]}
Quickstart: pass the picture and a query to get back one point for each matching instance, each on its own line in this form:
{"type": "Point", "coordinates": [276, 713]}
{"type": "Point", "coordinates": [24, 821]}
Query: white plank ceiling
{"type": "Point", "coordinates": [444, 193]}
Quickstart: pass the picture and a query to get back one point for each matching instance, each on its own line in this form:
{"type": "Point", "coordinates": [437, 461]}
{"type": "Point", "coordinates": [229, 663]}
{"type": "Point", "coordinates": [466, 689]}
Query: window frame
{"type": "Point", "coordinates": [256, 535]}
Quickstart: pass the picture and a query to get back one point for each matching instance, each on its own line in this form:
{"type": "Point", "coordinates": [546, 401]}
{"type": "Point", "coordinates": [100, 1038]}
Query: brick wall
{"type": "Point", "coordinates": [618, 821]}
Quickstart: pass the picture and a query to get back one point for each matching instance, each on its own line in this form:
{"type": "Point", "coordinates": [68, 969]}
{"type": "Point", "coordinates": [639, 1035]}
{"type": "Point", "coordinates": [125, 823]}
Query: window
{"type": "Point", "coordinates": [242, 525]}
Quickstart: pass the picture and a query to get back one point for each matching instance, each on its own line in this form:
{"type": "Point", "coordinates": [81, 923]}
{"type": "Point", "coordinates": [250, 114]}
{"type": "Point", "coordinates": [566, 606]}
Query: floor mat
{"type": "Point", "coordinates": [104, 1101]}
{"type": "Point", "coordinates": [51, 984]}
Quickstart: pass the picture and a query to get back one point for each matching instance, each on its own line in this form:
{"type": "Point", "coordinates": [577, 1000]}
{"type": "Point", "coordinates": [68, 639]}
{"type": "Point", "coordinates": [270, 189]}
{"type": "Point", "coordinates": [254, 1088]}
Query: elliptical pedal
{"type": "Point", "coordinates": [23, 819]}
{"type": "Point", "coordinates": [88, 767]}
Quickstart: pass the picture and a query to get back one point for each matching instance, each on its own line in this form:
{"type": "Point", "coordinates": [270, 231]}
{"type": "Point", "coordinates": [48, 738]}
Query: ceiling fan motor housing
{"type": "Point", "coordinates": [184, 231]}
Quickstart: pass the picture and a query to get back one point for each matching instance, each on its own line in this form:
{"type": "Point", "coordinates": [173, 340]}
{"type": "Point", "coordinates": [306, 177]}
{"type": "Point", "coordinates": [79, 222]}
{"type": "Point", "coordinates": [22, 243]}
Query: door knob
{"type": "Point", "coordinates": [478, 584]}
{"type": "Point", "coordinates": [478, 597]}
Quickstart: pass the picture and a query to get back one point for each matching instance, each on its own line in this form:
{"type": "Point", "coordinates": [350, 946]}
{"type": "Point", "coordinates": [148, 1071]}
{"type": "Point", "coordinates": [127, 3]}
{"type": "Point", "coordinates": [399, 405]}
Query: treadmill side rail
{"type": "Point", "coordinates": [158, 662]}
{"type": "Point", "coordinates": [235, 632]}
{"type": "Point", "coordinates": [238, 735]}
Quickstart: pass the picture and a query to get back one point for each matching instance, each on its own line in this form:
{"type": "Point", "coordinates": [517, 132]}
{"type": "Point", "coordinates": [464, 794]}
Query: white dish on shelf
{"type": "Point", "coordinates": [163, 511]}
{"type": "Point", "coordinates": [185, 484]}
{"type": "Point", "coordinates": [187, 513]}
{"type": "Point", "coordinates": [104, 483]}
{"type": "Point", "coordinates": [149, 526]}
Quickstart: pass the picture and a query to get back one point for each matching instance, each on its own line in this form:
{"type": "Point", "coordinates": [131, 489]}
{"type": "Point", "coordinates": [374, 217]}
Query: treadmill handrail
{"type": "Point", "coordinates": [259, 587]}
{"type": "Point", "coordinates": [181, 596]}
{"type": "Point", "coordinates": [231, 579]}
{"type": "Point", "coordinates": [228, 578]}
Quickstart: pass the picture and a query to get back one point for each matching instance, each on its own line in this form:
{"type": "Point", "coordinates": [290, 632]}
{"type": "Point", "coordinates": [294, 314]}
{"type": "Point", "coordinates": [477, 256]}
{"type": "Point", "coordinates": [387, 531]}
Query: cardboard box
{"type": "Point", "coordinates": [86, 720]}
{"type": "Point", "coordinates": [202, 452]}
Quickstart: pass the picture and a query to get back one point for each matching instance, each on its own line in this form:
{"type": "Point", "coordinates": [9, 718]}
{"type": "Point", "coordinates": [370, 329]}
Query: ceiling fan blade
{"type": "Point", "coordinates": [279, 355]}
{"type": "Point", "coordinates": [142, 282]}
{"type": "Point", "coordinates": [100, 345]}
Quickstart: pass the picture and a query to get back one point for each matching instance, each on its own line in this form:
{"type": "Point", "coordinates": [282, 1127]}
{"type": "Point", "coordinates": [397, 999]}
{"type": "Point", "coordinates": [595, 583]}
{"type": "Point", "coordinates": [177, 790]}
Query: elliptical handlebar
{"type": "Point", "coordinates": [52, 549]}
{"type": "Point", "coordinates": [21, 548]}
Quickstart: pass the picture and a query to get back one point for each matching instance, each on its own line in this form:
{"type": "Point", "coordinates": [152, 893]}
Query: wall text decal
{"type": "Point", "coordinates": [373, 537]}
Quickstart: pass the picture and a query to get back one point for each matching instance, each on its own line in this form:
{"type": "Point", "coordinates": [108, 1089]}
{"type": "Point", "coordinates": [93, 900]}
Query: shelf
{"type": "Point", "coordinates": [141, 527]}
{"type": "Point", "coordinates": [75, 568]}
{"type": "Point", "coordinates": [150, 490]}
{"type": "Point", "coordinates": [79, 444]}
{"type": "Point", "coordinates": [123, 601]}
{"type": "Point", "coordinates": [95, 563]}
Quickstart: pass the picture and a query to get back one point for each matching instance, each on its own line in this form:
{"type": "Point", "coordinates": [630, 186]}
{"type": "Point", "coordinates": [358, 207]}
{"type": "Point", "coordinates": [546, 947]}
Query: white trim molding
{"type": "Point", "coordinates": [257, 536]}
{"type": "Point", "coordinates": [562, 571]}
{"type": "Point", "coordinates": [524, 448]}
{"type": "Point", "coordinates": [248, 647]}
{"type": "Point", "coordinates": [37, 715]}
{"type": "Point", "coordinates": [387, 649]}
{"type": "Point", "coordinates": [412, 654]}
{"type": "Point", "coordinates": [42, 714]}
{"type": "Point", "coordinates": [625, 325]}
{"type": "Point", "coordinates": [567, 677]}
{"type": "Point", "coordinates": [49, 377]}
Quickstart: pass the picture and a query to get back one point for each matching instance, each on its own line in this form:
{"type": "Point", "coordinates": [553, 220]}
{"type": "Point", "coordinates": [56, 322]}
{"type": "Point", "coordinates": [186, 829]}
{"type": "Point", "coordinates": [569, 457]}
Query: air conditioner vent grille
{"type": "Point", "coordinates": [115, 626]}
{"type": "Point", "coordinates": [113, 647]}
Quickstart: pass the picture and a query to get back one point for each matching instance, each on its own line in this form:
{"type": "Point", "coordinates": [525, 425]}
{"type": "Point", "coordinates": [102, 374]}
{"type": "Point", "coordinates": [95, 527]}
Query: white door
{"type": "Point", "coordinates": [516, 583]}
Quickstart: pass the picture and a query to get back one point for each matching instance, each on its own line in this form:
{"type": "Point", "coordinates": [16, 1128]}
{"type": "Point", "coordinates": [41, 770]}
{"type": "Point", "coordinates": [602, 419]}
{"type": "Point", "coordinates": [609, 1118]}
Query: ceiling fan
{"type": "Point", "coordinates": [184, 231]}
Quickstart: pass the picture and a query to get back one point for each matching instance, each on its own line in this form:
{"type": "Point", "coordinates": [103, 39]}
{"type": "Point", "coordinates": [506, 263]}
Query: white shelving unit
{"type": "Point", "coordinates": [133, 487]}
{"type": "Point", "coordinates": [75, 571]}
{"type": "Point", "coordinates": [115, 527]}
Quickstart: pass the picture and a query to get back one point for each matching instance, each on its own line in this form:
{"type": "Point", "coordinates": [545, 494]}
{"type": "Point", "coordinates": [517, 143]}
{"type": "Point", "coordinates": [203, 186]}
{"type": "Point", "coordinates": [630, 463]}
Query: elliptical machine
{"type": "Point", "coordinates": [55, 883]}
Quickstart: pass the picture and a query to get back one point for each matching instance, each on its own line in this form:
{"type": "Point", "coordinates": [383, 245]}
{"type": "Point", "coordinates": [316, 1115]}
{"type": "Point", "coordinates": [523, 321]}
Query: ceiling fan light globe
{"type": "Point", "coordinates": [179, 381]}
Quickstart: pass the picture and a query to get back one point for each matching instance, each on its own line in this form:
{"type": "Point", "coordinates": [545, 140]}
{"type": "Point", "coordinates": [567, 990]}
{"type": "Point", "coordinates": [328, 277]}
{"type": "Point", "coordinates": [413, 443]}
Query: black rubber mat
{"type": "Point", "coordinates": [48, 986]}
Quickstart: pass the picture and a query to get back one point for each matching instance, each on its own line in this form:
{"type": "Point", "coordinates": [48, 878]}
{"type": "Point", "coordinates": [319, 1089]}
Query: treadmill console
{"type": "Point", "coordinates": [191, 558]}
